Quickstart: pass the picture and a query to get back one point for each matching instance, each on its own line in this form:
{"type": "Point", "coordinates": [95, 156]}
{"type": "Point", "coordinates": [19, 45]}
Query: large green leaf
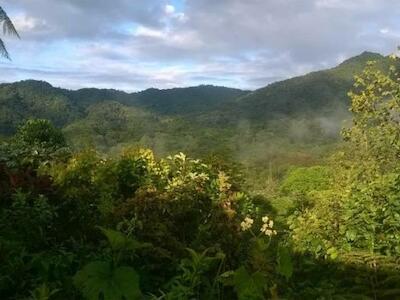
{"type": "Point", "coordinates": [285, 264]}
{"type": "Point", "coordinates": [249, 286]}
{"type": "Point", "coordinates": [119, 241]}
{"type": "Point", "coordinates": [101, 279]}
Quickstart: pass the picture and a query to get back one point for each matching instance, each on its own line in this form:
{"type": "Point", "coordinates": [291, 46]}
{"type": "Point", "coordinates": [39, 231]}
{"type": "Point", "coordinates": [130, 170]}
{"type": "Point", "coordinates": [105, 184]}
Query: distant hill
{"type": "Point", "coordinates": [306, 111]}
{"type": "Point", "coordinates": [34, 99]}
{"type": "Point", "coordinates": [38, 99]}
{"type": "Point", "coordinates": [191, 100]}
{"type": "Point", "coordinates": [323, 92]}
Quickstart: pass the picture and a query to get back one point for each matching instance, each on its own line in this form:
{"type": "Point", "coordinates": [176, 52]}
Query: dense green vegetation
{"type": "Point", "coordinates": [301, 115]}
{"type": "Point", "coordinates": [121, 222]}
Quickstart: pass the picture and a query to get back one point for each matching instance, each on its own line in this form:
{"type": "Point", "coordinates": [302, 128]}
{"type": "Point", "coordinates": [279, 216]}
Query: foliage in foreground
{"type": "Point", "coordinates": [173, 225]}
{"type": "Point", "coordinates": [79, 225]}
{"type": "Point", "coordinates": [356, 218]}
{"type": "Point", "coordinates": [363, 201]}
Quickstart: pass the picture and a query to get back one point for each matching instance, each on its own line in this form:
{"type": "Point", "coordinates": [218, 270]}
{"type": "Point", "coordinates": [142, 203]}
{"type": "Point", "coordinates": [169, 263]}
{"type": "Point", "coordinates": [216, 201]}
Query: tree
{"type": "Point", "coordinates": [8, 28]}
{"type": "Point", "coordinates": [40, 132]}
{"type": "Point", "coordinates": [361, 210]}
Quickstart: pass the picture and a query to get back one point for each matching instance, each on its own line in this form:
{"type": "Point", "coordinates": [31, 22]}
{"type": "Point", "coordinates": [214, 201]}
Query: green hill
{"type": "Point", "coordinates": [302, 115]}
{"type": "Point", "coordinates": [34, 99]}
{"type": "Point", "coordinates": [183, 101]}
{"type": "Point", "coordinates": [38, 99]}
{"type": "Point", "coordinates": [323, 92]}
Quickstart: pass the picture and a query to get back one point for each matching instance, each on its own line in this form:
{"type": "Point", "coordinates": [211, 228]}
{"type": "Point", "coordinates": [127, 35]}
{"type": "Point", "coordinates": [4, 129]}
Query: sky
{"type": "Point", "coordinates": [132, 45]}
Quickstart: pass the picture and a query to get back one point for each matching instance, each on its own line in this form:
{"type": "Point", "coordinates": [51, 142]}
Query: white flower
{"type": "Point", "coordinates": [266, 228]}
{"type": "Point", "coordinates": [268, 232]}
{"type": "Point", "coordinates": [246, 224]}
{"type": "Point", "coordinates": [249, 220]}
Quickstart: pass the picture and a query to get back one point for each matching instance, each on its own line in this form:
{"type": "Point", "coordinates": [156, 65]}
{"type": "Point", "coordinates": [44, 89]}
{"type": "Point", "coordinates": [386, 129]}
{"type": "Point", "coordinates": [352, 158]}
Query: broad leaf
{"type": "Point", "coordinates": [101, 279]}
{"type": "Point", "coordinates": [249, 286]}
{"type": "Point", "coordinates": [285, 264]}
{"type": "Point", "coordinates": [119, 241]}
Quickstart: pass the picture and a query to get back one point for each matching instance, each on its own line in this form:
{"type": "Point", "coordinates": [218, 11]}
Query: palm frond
{"type": "Point", "coordinates": [3, 50]}
{"type": "Point", "coordinates": [8, 26]}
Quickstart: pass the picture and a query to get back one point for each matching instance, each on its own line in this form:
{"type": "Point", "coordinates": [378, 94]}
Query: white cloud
{"type": "Point", "coordinates": [236, 42]}
{"type": "Point", "coordinates": [346, 4]}
{"type": "Point", "coordinates": [26, 23]}
{"type": "Point", "coordinates": [390, 34]}
{"type": "Point", "coordinates": [149, 32]}
{"type": "Point", "coordinates": [169, 9]}
{"type": "Point", "coordinates": [384, 30]}
{"type": "Point", "coordinates": [171, 12]}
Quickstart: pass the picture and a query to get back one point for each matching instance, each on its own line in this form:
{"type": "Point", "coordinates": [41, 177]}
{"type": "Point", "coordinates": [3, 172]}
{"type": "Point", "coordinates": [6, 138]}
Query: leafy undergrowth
{"type": "Point", "coordinates": [80, 225]}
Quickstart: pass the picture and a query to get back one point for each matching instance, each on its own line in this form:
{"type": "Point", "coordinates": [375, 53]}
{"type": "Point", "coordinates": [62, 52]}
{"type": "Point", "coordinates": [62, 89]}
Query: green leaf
{"type": "Point", "coordinates": [285, 263]}
{"type": "Point", "coordinates": [332, 252]}
{"type": "Point", "coordinates": [249, 286]}
{"type": "Point", "coordinates": [119, 241]}
{"type": "Point", "coordinates": [101, 279]}
{"type": "Point", "coordinates": [351, 235]}
{"type": "Point", "coordinates": [43, 292]}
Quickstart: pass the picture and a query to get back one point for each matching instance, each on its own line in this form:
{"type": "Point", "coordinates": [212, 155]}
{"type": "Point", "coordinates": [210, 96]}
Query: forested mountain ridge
{"type": "Point", "coordinates": [38, 99]}
{"type": "Point", "coordinates": [308, 109]}
{"type": "Point", "coordinates": [191, 100]}
{"type": "Point", "coordinates": [321, 91]}
{"type": "Point", "coordinates": [34, 99]}
{"type": "Point", "coordinates": [316, 91]}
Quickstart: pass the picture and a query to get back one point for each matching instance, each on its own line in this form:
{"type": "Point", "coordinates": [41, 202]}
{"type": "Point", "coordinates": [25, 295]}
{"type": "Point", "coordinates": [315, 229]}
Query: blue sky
{"type": "Point", "coordinates": [137, 44]}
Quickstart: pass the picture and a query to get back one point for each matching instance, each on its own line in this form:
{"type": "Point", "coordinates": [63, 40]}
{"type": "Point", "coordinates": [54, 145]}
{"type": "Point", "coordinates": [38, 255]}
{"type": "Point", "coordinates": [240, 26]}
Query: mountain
{"type": "Point", "coordinates": [34, 99]}
{"type": "Point", "coordinates": [323, 92]}
{"type": "Point", "coordinates": [38, 99]}
{"type": "Point", "coordinates": [191, 100]}
{"type": "Point", "coordinates": [300, 115]}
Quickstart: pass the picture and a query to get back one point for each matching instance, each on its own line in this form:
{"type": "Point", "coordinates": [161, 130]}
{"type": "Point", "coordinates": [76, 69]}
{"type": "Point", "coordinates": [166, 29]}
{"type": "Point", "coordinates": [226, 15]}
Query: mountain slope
{"type": "Point", "coordinates": [191, 100]}
{"type": "Point", "coordinates": [34, 99]}
{"type": "Point", "coordinates": [292, 122]}
{"type": "Point", "coordinates": [323, 92]}
{"type": "Point", "coordinates": [37, 99]}
{"type": "Point", "coordinates": [306, 110]}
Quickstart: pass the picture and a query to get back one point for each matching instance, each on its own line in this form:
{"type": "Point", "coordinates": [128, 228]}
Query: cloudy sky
{"type": "Point", "coordinates": [136, 44]}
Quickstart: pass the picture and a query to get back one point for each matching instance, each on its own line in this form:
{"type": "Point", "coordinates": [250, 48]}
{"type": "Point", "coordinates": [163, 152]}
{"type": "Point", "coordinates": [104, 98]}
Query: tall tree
{"type": "Point", "coordinates": [8, 28]}
{"type": "Point", "coordinates": [361, 209]}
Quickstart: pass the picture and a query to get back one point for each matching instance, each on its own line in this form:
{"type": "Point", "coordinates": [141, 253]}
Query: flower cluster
{"type": "Point", "coordinates": [267, 227]}
{"type": "Point", "coordinates": [247, 223]}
